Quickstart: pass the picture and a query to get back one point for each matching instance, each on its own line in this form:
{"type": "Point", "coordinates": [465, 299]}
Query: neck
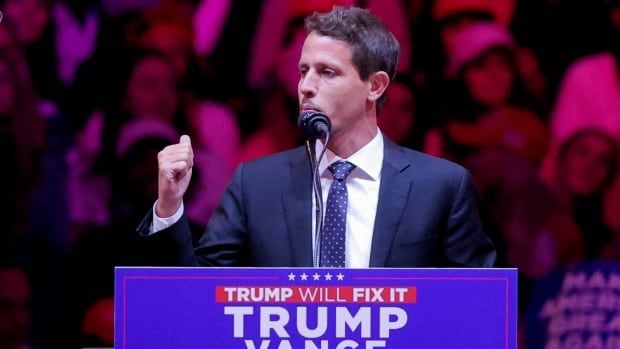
{"type": "Point", "coordinates": [347, 142]}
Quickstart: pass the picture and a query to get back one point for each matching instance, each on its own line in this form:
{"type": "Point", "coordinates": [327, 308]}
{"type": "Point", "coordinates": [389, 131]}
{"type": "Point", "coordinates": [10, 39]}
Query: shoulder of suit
{"type": "Point", "coordinates": [424, 163]}
{"type": "Point", "coordinates": [273, 161]}
{"type": "Point", "coordinates": [432, 172]}
{"type": "Point", "coordinates": [416, 162]}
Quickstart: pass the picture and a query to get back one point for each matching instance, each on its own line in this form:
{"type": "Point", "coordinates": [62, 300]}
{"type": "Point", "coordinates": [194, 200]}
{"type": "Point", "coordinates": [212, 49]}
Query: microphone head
{"type": "Point", "coordinates": [314, 124]}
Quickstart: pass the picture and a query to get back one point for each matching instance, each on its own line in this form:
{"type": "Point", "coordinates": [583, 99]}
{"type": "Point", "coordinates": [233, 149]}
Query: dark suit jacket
{"type": "Point", "coordinates": [426, 216]}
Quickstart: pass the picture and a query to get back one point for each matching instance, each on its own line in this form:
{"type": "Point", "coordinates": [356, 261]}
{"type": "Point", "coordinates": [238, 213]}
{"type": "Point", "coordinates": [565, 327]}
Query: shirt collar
{"type": "Point", "coordinates": [367, 160]}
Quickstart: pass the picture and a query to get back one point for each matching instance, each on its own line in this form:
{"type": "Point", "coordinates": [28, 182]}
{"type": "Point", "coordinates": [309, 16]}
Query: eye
{"type": "Point", "coordinates": [329, 73]}
{"type": "Point", "coordinates": [303, 71]}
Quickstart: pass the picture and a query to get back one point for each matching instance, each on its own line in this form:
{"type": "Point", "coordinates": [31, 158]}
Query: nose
{"type": "Point", "coordinates": [307, 84]}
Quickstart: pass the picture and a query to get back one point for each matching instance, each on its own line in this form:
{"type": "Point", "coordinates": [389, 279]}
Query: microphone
{"type": "Point", "coordinates": [314, 124]}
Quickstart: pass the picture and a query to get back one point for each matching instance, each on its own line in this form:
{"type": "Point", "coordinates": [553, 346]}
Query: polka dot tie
{"type": "Point", "coordinates": [333, 237]}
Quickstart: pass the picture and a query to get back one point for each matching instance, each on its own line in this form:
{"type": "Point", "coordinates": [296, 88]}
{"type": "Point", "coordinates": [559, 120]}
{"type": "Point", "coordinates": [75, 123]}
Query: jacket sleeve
{"type": "Point", "coordinates": [223, 242]}
{"type": "Point", "coordinates": [465, 243]}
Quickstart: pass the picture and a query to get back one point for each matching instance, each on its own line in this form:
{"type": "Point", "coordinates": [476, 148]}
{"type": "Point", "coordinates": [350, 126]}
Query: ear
{"type": "Point", "coordinates": [378, 82]}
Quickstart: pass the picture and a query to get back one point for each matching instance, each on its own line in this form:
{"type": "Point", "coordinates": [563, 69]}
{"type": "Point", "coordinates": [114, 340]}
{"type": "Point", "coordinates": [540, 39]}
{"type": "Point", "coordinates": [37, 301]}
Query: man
{"type": "Point", "coordinates": [386, 206]}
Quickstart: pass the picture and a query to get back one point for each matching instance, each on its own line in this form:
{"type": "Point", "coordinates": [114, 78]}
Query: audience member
{"type": "Point", "coordinates": [488, 108]}
{"type": "Point", "coordinates": [91, 90]}
{"type": "Point", "coordinates": [587, 165]}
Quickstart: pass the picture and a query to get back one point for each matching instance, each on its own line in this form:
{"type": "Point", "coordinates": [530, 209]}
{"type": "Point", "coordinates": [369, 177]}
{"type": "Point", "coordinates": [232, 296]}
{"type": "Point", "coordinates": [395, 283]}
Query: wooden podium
{"type": "Point", "coordinates": [292, 308]}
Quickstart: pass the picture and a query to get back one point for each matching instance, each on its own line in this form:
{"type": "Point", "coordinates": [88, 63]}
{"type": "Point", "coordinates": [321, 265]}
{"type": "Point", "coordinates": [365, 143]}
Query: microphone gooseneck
{"type": "Point", "coordinates": [315, 125]}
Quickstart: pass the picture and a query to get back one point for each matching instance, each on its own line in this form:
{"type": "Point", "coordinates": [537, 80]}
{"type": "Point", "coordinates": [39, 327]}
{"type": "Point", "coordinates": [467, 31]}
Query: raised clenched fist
{"type": "Point", "coordinates": [175, 171]}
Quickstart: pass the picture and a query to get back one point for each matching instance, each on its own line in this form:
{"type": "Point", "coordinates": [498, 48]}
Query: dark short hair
{"type": "Point", "coordinates": [373, 47]}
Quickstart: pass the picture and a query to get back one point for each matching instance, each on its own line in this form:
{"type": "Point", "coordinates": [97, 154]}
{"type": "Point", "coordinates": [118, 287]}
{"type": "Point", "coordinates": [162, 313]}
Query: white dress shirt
{"type": "Point", "coordinates": [363, 193]}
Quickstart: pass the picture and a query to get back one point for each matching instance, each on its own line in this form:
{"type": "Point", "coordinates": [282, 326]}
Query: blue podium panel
{"type": "Point", "coordinates": [282, 308]}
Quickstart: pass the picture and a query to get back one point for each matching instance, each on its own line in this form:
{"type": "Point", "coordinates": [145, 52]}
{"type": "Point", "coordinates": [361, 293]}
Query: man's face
{"type": "Point", "coordinates": [329, 82]}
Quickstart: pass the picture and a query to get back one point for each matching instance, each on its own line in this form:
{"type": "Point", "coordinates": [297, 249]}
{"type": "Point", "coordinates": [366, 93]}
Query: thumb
{"type": "Point", "coordinates": [185, 139]}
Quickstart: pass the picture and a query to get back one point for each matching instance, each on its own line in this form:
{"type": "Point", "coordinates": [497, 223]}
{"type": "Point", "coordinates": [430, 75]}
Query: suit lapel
{"type": "Point", "coordinates": [393, 194]}
{"type": "Point", "coordinates": [297, 203]}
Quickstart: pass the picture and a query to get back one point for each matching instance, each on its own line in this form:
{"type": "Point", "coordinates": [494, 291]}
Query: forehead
{"type": "Point", "coordinates": [324, 49]}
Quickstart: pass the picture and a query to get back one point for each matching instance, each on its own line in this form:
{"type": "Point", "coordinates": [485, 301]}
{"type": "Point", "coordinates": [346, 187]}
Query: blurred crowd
{"type": "Point", "coordinates": [523, 93]}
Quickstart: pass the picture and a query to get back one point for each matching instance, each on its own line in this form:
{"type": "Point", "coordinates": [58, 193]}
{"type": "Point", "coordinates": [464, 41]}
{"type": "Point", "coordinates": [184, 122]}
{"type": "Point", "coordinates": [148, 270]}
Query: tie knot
{"type": "Point", "coordinates": [341, 169]}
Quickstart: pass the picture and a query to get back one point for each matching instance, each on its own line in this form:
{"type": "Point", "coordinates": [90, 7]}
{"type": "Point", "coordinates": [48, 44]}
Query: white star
{"type": "Point", "coordinates": [328, 277]}
{"type": "Point", "coordinates": [316, 277]}
{"type": "Point", "coordinates": [304, 277]}
{"type": "Point", "coordinates": [291, 277]}
{"type": "Point", "coordinates": [340, 277]}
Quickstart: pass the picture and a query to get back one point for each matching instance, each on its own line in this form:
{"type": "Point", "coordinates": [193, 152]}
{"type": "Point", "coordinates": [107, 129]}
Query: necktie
{"type": "Point", "coordinates": [333, 237]}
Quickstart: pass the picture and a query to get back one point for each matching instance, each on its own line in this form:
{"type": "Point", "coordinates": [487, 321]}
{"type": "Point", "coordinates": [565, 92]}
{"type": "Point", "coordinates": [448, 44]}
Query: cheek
{"type": "Point", "coordinates": [351, 99]}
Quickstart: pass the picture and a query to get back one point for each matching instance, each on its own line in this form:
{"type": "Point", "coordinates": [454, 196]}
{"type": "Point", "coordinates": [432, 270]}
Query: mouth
{"type": "Point", "coordinates": [308, 107]}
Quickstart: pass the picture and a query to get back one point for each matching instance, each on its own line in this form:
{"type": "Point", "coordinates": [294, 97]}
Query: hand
{"type": "Point", "coordinates": [175, 164]}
